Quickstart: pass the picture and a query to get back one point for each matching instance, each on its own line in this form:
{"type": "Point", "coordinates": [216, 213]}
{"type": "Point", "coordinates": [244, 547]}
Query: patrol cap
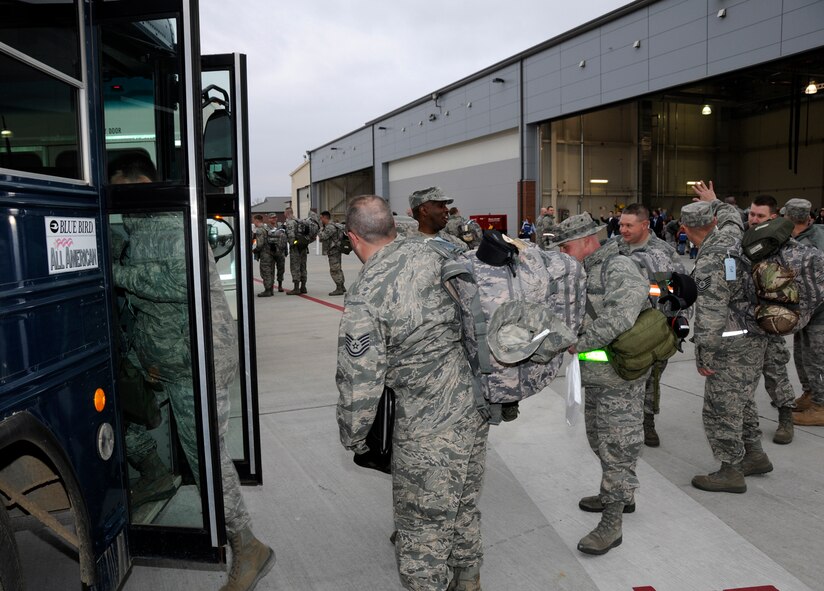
{"type": "Point", "coordinates": [576, 226]}
{"type": "Point", "coordinates": [798, 210]}
{"type": "Point", "coordinates": [431, 194]}
{"type": "Point", "coordinates": [527, 330]}
{"type": "Point", "coordinates": [697, 214]}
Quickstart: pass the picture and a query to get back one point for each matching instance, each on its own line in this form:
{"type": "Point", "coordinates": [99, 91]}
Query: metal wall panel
{"type": "Point", "coordinates": [749, 34]}
{"type": "Point", "coordinates": [347, 154]}
{"type": "Point", "coordinates": [802, 25]}
{"type": "Point", "coordinates": [677, 42]}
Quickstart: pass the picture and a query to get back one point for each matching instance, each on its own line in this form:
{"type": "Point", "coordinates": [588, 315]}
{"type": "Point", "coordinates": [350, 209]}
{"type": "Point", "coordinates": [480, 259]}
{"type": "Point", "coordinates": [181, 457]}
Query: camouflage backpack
{"type": "Point", "coordinates": [306, 231]}
{"type": "Point", "coordinates": [524, 278]}
{"type": "Point", "coordinates": [787, 278]}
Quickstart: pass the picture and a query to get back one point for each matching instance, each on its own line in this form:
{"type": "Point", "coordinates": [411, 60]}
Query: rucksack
{"type": "Point", "coordinates": [530, 276]}
{"type": "Point", "coordinates": [306, 231]}
{"type": "Point", "coordinates": [787, 278]}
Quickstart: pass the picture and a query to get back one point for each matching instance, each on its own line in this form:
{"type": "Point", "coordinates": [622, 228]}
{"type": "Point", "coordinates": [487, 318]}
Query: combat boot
{"type": "Point", "coordinates": [303, 287]}
{"type": "Point", "coordinates": [784, 433]}
{"type": "Point", "coordinates": [251, 560]}
{"type": "Point", "coordinates": [728, 479]}
{"type": "Point", "coordinates": [467, 578]}
{"type": "Point", "coordinates": [607, 534]}
{"type": "Point", "coordinates": [156, 483]}
{"type": "Point", "coordinates": [295, 291]}
{"type": "Point", "coordinates": [812, 417]}
{"type": "Point", "coordinates": [650, 435]}
{"type": "Point", "coordinates": [755, 460]}
{"type": "Point", "coordinates": [593, 504]}
{"type": "Point", "coordinates": [339, 290]}
{"type": "Point", "coordinates": [280, 286]}
{"type": "Point", "coordinates": [803, 402]}
{"type": "Point", "coordinates": [266, 293]}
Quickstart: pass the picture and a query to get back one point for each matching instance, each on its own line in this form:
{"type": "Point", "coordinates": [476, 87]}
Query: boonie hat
{"type": "Point", "coordinates": [576, 226]}
{"type": "Point", "coordinates": [527, 330]}
{"type": "Point", "coordinates": [697, 214]}
{"type": "Point", "coordinates": [430, 194]}
{"type": "Point", "coordinates": [797, 209]}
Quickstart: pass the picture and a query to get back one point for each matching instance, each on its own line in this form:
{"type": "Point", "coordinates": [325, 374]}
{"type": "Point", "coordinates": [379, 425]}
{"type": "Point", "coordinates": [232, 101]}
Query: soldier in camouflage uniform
{"type": "Point", "coordinates": [155, 280]}
{"type": "Point", "coordinates": [263, 253]}
{"type": "Point", "coordinates": [808, 344]}
{"type": "Point", "coordinates": [429, 208]}
{"type": "Point", "coordinates": [613, 407]}
{"type": "Point", "coordinates": [463, 228]}
{"type": "Point", "coordinates": [725, 353]}
{"type": "Point", "coordinates": [280, 249]}
{"type": "Point", "coordinates": [401, 329]}
{"type": "Point", "coordinates": [545, 224]}
{"type": "Point", "coordinates": [777, 354]}
{"type": "Point", "coordinates": [330, 237]}
{"type": "Point", "coordinates": [653, 256]}
{"type": "Point", "coordinates": [298, 254]}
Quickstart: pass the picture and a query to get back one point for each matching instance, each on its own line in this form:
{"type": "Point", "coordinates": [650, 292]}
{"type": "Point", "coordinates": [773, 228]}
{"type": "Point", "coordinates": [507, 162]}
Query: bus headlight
{"type": "Point", "coordinates": [105, 441]}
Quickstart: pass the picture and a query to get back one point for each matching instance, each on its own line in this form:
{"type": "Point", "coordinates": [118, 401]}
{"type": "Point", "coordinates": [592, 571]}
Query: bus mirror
{"type": "Point", "coordinates": [221, 237]}
{"type": "Point", "coordinates": [217, 149]}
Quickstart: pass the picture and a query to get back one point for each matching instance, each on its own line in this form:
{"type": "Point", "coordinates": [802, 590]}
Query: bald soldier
{"type": "Point", "coordinates": [613, 407]}
{"type": "Point", "coordinates": [401, 329]}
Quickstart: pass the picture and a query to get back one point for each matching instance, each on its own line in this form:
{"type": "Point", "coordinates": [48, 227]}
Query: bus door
{"type": "Point", "coordinates": [228, 210]}
{"type": "Point", "coordinates": [173, 369]}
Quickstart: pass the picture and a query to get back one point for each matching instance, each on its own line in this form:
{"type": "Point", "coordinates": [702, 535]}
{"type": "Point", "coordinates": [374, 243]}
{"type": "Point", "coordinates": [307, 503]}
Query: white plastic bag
{"type": "Point", "coordinates": [573, 397]}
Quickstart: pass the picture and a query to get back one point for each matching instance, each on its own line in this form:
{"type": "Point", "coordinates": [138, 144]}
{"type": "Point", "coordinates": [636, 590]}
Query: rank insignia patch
{"type": "Point", "coordinates": [703, 284]}
{"type": "Point", "coordinates": [357, 346]}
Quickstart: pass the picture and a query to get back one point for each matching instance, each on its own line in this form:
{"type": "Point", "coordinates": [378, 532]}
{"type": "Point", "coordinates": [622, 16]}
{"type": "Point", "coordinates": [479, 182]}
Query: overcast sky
{"type": "Point", "coordinates": [319, 69]}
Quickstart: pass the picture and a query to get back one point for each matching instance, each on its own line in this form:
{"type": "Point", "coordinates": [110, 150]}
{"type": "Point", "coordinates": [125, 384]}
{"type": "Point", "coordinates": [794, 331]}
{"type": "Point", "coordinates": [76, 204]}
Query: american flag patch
{"type": "Point", "coordinates": [357, 346]}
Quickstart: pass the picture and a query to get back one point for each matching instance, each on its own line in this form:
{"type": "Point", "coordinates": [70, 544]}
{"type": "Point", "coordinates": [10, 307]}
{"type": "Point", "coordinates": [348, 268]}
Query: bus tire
{"type": "Point", "coordinates": [11, 579]}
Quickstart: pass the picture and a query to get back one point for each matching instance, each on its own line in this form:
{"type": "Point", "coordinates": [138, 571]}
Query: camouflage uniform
{"type": "Point", "coordinates": [808, 343]}
{"type": "Point", "coordinates": [406, 225]}
{"type": "Point", "coordinates": [730, 415]}
{"type": "Point", "coordinates": [613, 407]}
{"type": "Point", "coordinates": [330, 237]}
{"type": "Point", "coordinates": [653, 256]}
{"type": "Point", "coordinates": [401, 329]}
{"type": "Point", "coordinates": [298, 254]}
{"type": "Point", "coordinates": [545, 224]}
{"type": "Point", "coordinates": [280, 251]}
{"type": "Point", "coordinates": [266, 256]}
{"type": "Point", "coordinates": [154, 277]}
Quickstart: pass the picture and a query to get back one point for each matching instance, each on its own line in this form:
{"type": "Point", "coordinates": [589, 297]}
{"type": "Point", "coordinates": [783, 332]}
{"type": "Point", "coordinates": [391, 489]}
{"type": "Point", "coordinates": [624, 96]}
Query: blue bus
{"type": "Point", "coordinates": [85, 84]}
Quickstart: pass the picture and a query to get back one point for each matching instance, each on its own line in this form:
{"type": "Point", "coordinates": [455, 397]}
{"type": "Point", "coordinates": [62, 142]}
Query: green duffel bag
{"type": "Point", "coordinates": [649, 340]}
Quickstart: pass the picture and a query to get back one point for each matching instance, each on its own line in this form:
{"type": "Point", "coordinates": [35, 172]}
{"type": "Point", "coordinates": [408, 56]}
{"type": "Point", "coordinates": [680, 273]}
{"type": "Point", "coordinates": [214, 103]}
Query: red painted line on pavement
{"type": "Point", "coordinates": [317, 301]}
{"type": "Point", "coordinates": [647, 588]}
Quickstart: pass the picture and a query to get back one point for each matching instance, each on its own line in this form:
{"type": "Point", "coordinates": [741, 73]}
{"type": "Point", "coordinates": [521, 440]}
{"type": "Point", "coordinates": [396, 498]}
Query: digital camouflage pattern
{"type": "Point", "coordinates": [464, 229]}
{"type": "Point", "coordinates": [654, 256]}
{"type": "Point", "coordinates": [613, 407]}
{"type": "Point", "coordinates": [808, 345]}
{"type": "Point", "coordinates": [545, 224]}
{"type": "Point", "coordinates": [776, 378]}
{"type": "Point", "coordinates": [406, 225]}
{"type": "Point", "coordinates": [330, 237]}
{"type": "Point", "coordinates": [730, 415]}
{"type": "Point", "coordinates": [553, 278]}
{"type": "Point", "coordinates": [401, 329]}
{"type": "Point", "coordinates": [266, 256]}
{"type": "Point", "coordinates": [154, 278]}
{"type": "Point", "coordinates": [298, 254]}
{"type": "Point", "coordinates": [280, 247]}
